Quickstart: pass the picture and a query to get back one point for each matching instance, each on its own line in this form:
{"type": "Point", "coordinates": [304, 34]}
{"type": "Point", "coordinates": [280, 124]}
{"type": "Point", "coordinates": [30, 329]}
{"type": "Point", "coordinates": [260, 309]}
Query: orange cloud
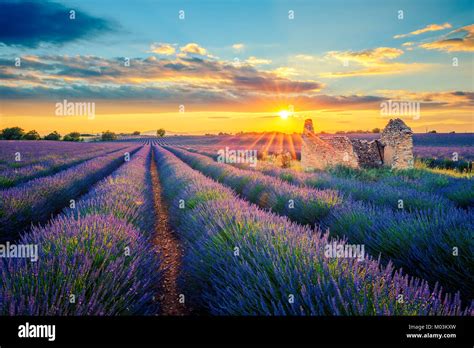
{"type": "Point", "coordinates": [450, 98]}
{"type": "Point", "coordinates": [162, 48]}
{"type": "Point", "coordinates": [458, 44]}
{"type": "Point", "coordinates": [285, 71]}
{"type": "Point", "coordinates": [194, 48]}
{"type": "Point", "coordinates": [428, 28]}
{"type": "Point", "coordinates": [375, 61]}
{"type": "Point", "coordinates": [380, 69]}
{"type": "Point", "coordinates": [204, 80]}
{"type": "Point", "coordinates": [367, 57]}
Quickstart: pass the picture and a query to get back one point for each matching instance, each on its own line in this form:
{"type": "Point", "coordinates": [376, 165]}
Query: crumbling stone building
{"type": "Point", "coordinates": [393, 149]}
{"type": "Point", "coordinates": [397, 139]}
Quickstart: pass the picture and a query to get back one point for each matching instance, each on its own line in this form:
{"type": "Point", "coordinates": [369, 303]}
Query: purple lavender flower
{"type": "Point", "coordinates": [35, 200]}
{"type": "Point", "coordinates": [279, 267]}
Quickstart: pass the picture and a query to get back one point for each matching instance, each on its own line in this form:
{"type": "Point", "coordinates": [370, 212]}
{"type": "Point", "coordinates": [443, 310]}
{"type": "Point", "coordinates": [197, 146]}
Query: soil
{"type": "Point", "coordinates": [171, 252]}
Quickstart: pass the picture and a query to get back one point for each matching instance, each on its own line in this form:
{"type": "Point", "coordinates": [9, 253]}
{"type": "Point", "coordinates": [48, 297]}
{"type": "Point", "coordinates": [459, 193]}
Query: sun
{"type": "Point", "coordinates": [284, 114]}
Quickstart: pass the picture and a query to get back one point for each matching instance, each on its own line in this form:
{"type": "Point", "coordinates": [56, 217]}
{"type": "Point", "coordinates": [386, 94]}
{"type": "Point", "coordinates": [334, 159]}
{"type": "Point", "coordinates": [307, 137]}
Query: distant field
{"type": "Point", "coordinates": [425, 145]}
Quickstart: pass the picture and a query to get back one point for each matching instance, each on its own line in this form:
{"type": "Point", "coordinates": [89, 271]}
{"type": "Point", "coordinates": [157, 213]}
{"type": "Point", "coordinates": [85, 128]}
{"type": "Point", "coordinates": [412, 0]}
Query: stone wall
{"type": "Point", "coordinates": [317, 153]}
{"type": "Point", "coordinates": [394, 149]}
{"type": "Point", "coordinates": [397, 139]}
{"type": "Point", "coordinates": [308, 127]}
{"type": "Point", "coordinates": [369, 153]}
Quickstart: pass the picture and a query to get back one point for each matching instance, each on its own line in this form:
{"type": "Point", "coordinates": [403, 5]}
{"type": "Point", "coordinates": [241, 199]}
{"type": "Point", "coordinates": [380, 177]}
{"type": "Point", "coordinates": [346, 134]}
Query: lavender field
{"type": "Point", "coordinates": [434, 146]}
{"type": "Point", "coordinates": [161, 226]}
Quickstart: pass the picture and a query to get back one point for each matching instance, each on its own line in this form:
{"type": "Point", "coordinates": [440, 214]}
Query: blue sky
{"type": "Point", "coordinates": [281, 61]}
{"type": "Point", "coordinates": [319, 26]}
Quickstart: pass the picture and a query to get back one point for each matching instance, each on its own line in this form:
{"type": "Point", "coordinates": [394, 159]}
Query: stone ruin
{"type": "Point", "coordinates": [397, 139]}
{"type": "Point", "coordinates": [393, 149]}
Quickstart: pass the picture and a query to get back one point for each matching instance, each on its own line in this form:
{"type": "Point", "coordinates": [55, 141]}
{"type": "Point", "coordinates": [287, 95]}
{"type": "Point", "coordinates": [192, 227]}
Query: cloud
{"type": "Point", "coordinates": [257, 61]}
{"type": "Point", "coordinates": [377, 61]}
{"type": "Point", "coordinates": [379, 69]}
{"type": "Point", "coordinates": [367, 57]}
{"type": "Point", "coordinates": [32, 24]}
{"type": "Point", "coordinates": [285, 71]}
{"type": "Point", "coordinates": [270, 82]}
{"type": "Point", "coordinates": [194, 48]}
{"type": "Point", "coordinates": [162, 48]}
{"type": "Point", "coordinates": [169, 79]}
{"type": "Point", "coordinates": [328, 101]}
{"type": "Point", "coordinates": [465, 43]}
{"type": "Point", "coordinates": [408, 45]}
{"type": "Point", "coordinates": [428, 28]}
{"type": "Point", "coordinates": [451, 98]}
{"type": "Point", "coordinates": [238, 47]}
{"type": "Point", "coordinates": [207, 84]}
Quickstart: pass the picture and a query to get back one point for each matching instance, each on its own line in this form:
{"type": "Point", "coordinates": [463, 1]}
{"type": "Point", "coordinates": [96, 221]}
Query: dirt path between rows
{"type": "Point", "coordinates": [167, 242]}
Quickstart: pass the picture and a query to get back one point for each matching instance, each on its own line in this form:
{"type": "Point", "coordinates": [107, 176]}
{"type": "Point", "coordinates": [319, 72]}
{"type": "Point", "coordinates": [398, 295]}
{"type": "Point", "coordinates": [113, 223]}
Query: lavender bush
{"type": "Point", "coordinates": [436, 246]}
{"type": "Point", "coordinates": [36, 200]}
{"type": "Point", "coordinates": [378, 193]}
{"type": "Point", "coordinates": [126, 194]}
{"type": "Point", "coordinates": [85, 258]}
{"type": "Point", "coordinates": [100, 253]}
{"type": "Point", "coordinates": [410, 240]}
{"type": "Point", "coordinates": [278, 258]}
{"type": "Point", "coordinates": [34, 152]}
{"type": "Point", "coordinates": [310, 205]}
{"type": "Point", "coordinates": [458, 189]}
{"type": "Point", "coordinates": [58, 159]}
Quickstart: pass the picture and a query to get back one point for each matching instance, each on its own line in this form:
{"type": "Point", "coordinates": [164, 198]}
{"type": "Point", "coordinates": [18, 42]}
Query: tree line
{"type": "Point", "coordinates": [17, 133]}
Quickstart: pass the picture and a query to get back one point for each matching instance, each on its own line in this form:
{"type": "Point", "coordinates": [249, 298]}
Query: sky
{"type": "Point", "coordinates": [195, 67]}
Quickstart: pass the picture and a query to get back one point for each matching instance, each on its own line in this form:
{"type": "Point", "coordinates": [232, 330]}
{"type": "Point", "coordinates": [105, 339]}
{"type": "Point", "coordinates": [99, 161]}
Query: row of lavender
{"type": "Point", "coordinates": [95, 259]}
{"type": "Point", "coordinates": [20, 163]}
{"type": "Point", "coordinates": [458, 188]}
{"type": "Point", "coordinates": [379, 193]}
{"type": "Point", "coordinates": [35, 200]}
{"type": "Point", "coordinates": [430, 191]}
{"type": "Point", "coordinates": [240, 259]}
{"type": "Point", "coordinates": [34, 152]}
{"type": "Point", "coordinates": [435, 245]}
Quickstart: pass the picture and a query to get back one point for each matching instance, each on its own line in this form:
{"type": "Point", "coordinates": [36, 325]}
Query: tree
{"type": "Point", "coordinates": [160, 132]}
{"type": "Point", "coordinates": [31, 135]}
{"type": "Point", "coordinates": [376, 130]}
{"type": "Point", "coordinates": [14, 133]}
{"type": "Point", "coordinates": [108, 136]}
{"type": "Point", "coordinates": [53, 136]}
{"type": "Point", "coordinates": [136, 133]}
{"type": "Point", "coordinates": [73, 136]}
